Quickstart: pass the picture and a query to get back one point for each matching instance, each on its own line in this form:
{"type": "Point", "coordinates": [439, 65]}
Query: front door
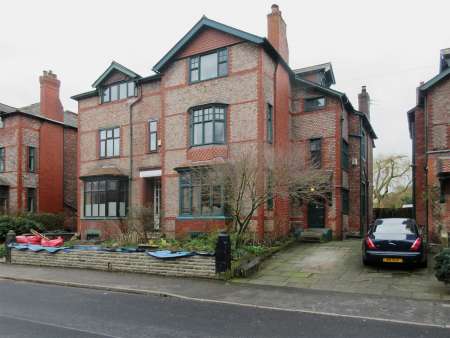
{"type": "Point", "coordinates": [316, 215]}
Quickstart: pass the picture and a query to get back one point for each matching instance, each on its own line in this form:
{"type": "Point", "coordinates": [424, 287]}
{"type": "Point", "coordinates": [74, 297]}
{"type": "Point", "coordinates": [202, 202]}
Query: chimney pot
{"type": "Point", "coordinates": [275, 8]}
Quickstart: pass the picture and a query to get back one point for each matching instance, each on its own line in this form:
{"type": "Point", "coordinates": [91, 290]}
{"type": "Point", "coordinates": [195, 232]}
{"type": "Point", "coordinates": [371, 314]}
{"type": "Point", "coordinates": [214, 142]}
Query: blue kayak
{"type": "Point", "coordinates": [167, 254]}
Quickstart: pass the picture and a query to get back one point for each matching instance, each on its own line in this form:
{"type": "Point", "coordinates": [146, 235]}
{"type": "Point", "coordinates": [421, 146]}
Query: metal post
{"type": "Point", "coordinates": [10, 238]}
{"type": "Point", "coordinates": [223, 253]}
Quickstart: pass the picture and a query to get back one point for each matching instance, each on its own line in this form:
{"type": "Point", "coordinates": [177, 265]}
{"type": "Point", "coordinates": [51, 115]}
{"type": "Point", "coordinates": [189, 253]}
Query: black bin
{"type": "Point", "coordinates": [223, 253]}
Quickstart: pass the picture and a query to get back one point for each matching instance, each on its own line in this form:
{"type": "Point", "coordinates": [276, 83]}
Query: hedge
{"type": "Point", "coordinates": [442, 266]}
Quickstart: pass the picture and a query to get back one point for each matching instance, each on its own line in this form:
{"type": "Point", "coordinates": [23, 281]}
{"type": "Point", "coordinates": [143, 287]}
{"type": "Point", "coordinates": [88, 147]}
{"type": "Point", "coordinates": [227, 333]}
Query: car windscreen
{"type": "Point", "coordinates": [406, 228]}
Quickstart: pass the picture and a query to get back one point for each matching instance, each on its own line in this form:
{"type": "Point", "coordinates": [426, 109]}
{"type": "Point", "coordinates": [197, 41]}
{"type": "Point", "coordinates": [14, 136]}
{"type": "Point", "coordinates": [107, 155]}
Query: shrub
{"type": "Point", "coordinates": [2, 251]}
{"type": "Point", "coordinates": [442, 266]}
{"type": "Point", "coordinates": [19, 225]}
{"type": "Point", "coordinates": [51, 222]}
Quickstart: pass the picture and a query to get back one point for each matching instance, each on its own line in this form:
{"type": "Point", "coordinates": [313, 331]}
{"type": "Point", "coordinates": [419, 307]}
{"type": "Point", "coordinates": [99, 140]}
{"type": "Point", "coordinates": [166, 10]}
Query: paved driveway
{"type": "Point", "coordinates": [337, 266]}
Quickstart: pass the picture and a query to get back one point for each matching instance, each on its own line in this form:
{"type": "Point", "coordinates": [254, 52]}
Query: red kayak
{"type": "Point", "coordinates": [59, 241]}
{"type": "Point", "coordinates": [28, 239]}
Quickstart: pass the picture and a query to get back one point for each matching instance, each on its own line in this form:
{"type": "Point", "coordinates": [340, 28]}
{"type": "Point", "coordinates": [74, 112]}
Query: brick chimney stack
{"type": "Point", "coordinates": [364, 102]}
{"type": "Point", "coordinates": [276, 32]}
{"type": "Point", "coordinates": [51, 106]}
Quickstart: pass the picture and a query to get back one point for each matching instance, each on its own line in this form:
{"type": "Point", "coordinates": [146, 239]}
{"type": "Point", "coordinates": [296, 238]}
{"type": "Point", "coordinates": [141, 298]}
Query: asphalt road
{"type": "Point", "coordinates": [35, 310]}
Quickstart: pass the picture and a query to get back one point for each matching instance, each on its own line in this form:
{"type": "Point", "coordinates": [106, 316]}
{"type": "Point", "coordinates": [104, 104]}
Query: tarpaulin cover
{"type": "Point", "coordinates": [36, 248]}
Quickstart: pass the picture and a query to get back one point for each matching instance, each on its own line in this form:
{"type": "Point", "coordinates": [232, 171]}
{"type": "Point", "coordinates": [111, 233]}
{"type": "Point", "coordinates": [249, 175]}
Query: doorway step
{"type": "Point", "coordinates": [316, 235]}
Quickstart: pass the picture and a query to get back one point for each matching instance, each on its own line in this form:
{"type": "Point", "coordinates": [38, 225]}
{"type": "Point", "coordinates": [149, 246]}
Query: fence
{"type": "Point", "coordinates": [393, 213]}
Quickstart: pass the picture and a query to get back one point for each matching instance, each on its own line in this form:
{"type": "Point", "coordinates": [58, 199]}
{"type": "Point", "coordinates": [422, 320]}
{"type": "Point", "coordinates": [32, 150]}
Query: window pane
{"type": "Point", "coordinates": [208, 132]}
{"type": "Point", "coordinates": [114, 92]}
{"type": "Point", "coordinates": [106, 95]}
{"type": "Point", "coordinates": [206, 199]}
{"type": "Point", "coordinates": [152, 126]}
{"type": "Point", "coordinates": [208, 66]}
{"type": "Point", "coordinates": [109, 133]}
{"type": "Point", "coordinates": [113, 185]}
{"type": "Point", "coordinates": [122, 209]}
{"type": "Point", "coordinates": [153, 141]}
{"type": "Point", "coordinates": [223, 55]}
{"type": "Point", "coordinates": [102, 134]}
{"type": "Point", "coordinates": [131, 89]}
{"type": "Point", "coordinates": [198, 134]}
{"type": "Point", "coordinates": [194, 75]}
{"type": "Point", "coordinates": [219, 113]}
{"type": "Point", "coordinates": [112, 209]}
{"type": "Point", "coordinates": [219, 132]}
{"type": "Point", "coordinates": [95, 209]}
{"type": "Point", "coordinates": [109, 148]}
{"type": "Point", "coordinates": [116, 147]}
{"type": "Point", "coordinates": [116, 132]}
{"type": "Point", "coordinates": [122, 91]}
{"type": "Point", "coordinates": [102, 148]}
{"type": "Point", "coordinates": [185, 201]}
{"type": "Point", "coordinates": [223, 69]}
{"type": "Point", "coordinates": [196, 200]}
{"type": "Point", "coordinates": [217, 200]}
{"type": "Point", "coordinates": [88, 209]}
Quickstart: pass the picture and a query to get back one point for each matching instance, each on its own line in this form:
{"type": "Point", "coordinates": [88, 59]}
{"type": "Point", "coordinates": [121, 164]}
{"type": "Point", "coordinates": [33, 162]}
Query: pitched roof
{"type": "Point", "coordinates": [115, 66]}
{"type": "Point", "coordinates": [4, 108]}
{"type": "Point", "coordinates": [430, 83]}
{"type": "Point", "coordinates": [325, 67]}
{"type": "Point", "coordinates": [204, 22]}
{"type": "Point", "coordinates": [34, 110]}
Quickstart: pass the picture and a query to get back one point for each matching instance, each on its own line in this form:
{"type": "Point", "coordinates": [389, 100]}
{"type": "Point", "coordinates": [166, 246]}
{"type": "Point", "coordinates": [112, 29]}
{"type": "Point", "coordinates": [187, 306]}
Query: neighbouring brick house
{"type": "Point", "coordinates": [38, 155]}
{"type": "Point", "coordinates": [219, 91]}
{"type": "Point", "coordinates": [429, 127]}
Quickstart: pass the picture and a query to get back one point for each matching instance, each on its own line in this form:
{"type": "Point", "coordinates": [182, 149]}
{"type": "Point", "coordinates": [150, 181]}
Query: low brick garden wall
{"type": "Point", "coordinates": [140, 262]}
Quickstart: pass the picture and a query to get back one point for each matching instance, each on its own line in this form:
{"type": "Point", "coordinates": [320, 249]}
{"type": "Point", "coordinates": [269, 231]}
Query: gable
{"type": "Point", "coordinates": [111, 73]}
{"type": "Point", "coordinates": [115, 76]}
{"type": "Point", "coordinates": [207, 39]}
{"type": "Point", "coordinates": [199, 27]}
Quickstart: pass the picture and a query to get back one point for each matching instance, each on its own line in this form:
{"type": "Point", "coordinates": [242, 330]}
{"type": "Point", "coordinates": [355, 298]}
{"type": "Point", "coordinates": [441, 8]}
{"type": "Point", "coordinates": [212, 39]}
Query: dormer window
{"type": "Point", "coordinates": [208, 66]}
{"type": "Point", "coordinates": [118, 91]}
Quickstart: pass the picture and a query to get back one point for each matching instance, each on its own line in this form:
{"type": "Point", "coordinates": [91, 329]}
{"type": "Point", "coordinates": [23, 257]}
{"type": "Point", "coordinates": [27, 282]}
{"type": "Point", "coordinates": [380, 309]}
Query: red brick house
{"type": "Point", "coordinates": [429, 127]}
{"type": "Point", "coordinates": [218, 91]}
{"type": "Point", "coordinates": [38, 154]}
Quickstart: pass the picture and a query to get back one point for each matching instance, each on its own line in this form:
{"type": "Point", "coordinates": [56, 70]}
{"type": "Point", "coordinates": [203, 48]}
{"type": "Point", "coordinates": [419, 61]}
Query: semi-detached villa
{"type": "Point", "coordinates": [218, 91]}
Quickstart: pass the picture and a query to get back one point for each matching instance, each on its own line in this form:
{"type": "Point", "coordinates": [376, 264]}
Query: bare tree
{"type": "Point", "coordinates": [392, 174]}
{"type": "Point", "coordinates": [249, 185]}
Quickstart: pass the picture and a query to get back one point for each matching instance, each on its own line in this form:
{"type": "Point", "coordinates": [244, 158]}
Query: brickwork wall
{"type": "Point", "coordinates": [195, 266]}
{"type": "Point", "coordinates": [432, 121]}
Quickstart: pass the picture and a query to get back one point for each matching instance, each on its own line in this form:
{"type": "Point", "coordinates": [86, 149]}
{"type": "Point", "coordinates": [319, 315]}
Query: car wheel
{"type": "Point", "coordinates": [365, 262]}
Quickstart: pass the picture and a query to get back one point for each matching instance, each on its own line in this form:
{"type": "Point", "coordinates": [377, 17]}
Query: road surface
{"type": "Point", "coordinates": [36, 310]}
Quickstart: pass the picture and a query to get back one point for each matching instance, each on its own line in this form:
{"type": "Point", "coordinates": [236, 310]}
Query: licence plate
{"type": "Point", "coordinates": [392, 260]}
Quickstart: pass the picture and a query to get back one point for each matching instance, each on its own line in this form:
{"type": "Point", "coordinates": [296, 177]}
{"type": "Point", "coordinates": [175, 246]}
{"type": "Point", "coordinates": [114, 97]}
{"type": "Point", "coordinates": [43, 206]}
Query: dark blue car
{"type": "Point", "coordinates": [394, 241]}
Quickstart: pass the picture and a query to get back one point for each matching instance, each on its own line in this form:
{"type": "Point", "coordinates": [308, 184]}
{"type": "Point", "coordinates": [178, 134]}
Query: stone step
{"type": "Point", "coordinates": [316, 235]}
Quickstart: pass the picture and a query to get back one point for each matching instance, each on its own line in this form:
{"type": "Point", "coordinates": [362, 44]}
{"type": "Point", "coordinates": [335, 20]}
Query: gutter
{"type": "Point", "coordinates": [130, 113]}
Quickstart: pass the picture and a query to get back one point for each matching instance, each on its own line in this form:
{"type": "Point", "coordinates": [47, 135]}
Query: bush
{"type": "Point", "coordinates": [442, 266]}
{"type": "Point", "coordinates": [51, 222]}
{"type": "Point", "coordinates": [20, 225]}
{"type": "Point", "coordinates": [2, 251]}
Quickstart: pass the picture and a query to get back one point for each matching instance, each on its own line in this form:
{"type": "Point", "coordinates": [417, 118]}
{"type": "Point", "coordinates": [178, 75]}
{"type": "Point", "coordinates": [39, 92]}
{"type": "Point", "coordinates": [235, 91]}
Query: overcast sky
{"type": "Point", "coordinates": [390, 46]}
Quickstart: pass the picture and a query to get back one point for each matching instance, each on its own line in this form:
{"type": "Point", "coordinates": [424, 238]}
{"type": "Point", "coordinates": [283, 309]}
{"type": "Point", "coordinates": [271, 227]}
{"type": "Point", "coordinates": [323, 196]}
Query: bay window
{"type": "Point", "coordinates": [105, 198]}
{"type": "Point", "coordinates": [200, 195]}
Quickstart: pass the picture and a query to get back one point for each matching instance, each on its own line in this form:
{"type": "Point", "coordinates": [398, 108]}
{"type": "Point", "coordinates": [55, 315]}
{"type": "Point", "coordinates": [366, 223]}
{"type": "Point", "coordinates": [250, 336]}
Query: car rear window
{"type": "Point", "coordinates": [392, 227]}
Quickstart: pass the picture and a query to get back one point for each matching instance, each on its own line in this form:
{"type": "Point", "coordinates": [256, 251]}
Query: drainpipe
{"type": "Point", "coordinates": [130, 113]}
